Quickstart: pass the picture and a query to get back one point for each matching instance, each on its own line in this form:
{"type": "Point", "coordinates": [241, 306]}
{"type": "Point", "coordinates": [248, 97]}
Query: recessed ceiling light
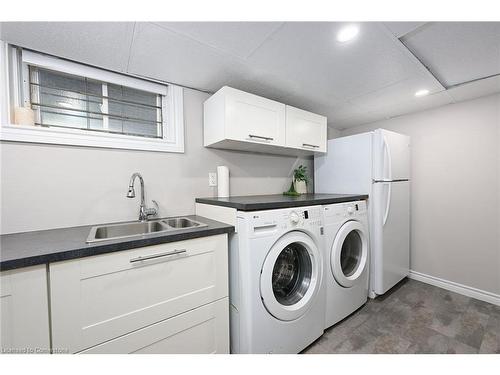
{"type": "Point", "coordinates": [423, 92]}
{"type": "Point", "coordinates": [347, 33]}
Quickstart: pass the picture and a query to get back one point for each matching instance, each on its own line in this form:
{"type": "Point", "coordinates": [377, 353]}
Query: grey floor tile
{"type": "Point", "coordinates": [484, 307]}
{"type": "Point", "coordinates": [416, 318]}
{"type": "Point", "coordinates": [356, 344]}
{"type": "Point", "coordinates": [491, 339]}
{"type": "Point", "coordinates": [436, 343]}
{"type": "Point", "coordinates": [472, 328]}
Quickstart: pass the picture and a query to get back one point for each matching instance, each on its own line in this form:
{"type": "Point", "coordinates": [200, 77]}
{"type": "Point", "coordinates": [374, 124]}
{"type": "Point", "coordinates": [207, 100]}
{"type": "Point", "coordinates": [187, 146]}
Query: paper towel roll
{"type": "Point", "coordinates": [222, 181]}
{"type": "Point", "coordinates": [24, 116]}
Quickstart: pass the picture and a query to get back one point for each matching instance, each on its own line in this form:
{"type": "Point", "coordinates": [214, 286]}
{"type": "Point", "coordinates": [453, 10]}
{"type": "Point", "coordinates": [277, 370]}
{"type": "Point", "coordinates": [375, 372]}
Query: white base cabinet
{"type": "Point", "coordinates": [24, 311]}
{"type": "Point", "coordinates": [237, 120]}
{"type": "Point", "coordinates": [150, 299]}
{"type": "Point", "coordinates": [204, 330]}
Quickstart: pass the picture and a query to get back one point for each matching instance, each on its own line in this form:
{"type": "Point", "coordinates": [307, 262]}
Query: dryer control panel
{"type": "Point", "coordinates": [345, 210]}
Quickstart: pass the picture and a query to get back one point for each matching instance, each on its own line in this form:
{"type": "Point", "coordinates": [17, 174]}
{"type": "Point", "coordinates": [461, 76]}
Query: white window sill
{"type": "Point", "coordinates": [75, 137]}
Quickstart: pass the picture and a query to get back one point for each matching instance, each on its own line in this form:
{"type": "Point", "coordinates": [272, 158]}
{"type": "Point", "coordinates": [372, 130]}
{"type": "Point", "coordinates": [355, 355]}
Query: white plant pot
{"type": "Point", "coordinates": [300, 187]}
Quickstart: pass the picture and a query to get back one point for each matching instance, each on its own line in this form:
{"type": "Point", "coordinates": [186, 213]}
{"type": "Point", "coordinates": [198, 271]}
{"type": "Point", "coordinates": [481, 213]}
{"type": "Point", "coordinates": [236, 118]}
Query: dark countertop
{"type": "Point", "coordinates": [31, 248]}
{"type": "Point", "coordinates": [267, 202]}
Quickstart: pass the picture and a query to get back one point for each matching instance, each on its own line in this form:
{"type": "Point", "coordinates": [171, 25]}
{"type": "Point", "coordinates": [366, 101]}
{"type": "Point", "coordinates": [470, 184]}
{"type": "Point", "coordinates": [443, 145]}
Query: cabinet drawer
{"type": "Point", "coordinates": [305, 130]}
{"type": "Point", "coordinates": [99, 298]}
{"type": "Point", "coordinates": [200, 331]}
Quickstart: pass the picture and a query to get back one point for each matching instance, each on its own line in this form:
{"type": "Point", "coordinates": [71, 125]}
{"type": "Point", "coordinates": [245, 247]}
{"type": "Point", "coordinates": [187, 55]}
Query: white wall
{"type": "Point", "coordinates": [455, 224]}
{"type": "Point", "coordinates": [46, 186]}
{"type": "Point", "coordinates": [333, 133]}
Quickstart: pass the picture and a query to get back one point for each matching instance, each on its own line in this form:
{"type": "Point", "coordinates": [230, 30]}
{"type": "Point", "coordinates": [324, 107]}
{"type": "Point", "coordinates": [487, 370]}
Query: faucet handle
{"type": "Point", "coordinates": [152, 211]}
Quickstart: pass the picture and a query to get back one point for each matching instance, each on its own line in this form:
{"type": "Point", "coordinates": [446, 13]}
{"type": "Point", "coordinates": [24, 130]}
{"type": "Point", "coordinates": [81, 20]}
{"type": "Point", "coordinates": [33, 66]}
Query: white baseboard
{"type": "Point", "coordinates": [456, 287]}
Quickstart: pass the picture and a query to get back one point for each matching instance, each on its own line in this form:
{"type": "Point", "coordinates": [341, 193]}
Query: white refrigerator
{"type": "Point", "coordinates": [378, 164]}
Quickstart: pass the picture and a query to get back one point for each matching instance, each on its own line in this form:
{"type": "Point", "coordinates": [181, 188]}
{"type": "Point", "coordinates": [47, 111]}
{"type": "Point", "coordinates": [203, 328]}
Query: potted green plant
{"type": "Point", "coordinates": [291, 192]}
{"type": "Point", "coordinates": [300, 179]}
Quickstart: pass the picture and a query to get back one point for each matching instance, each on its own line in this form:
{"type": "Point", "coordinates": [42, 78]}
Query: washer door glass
{"type": "Point", "coordinates": [291, 276]}
{"type": "Point", "coordinates": [349, 254]}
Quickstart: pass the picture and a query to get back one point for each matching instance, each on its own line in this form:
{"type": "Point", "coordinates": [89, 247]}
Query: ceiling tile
{"type": "Point", "coordinates": [308, 53]}
{"type": "Point", "coordinates": [237, 38]}
{"type": "Point", "coordinates": [400, 29]}
{"type": "Point", "coordinates": [476, 89]}
{"type": "Point", "coordinates": [418, 104]}
{"type": "Point", "coordinates": [457, 52]}
{"type": "Point", "coordinates": [162, 54]}
{"type": "Point", "coordinates": [104, 44]}
{"type": "Point", "coordinates": [400, 92]}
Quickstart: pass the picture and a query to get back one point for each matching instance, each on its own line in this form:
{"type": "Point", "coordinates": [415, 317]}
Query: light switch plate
{"type": "Point", "coordinates": [212, 179]}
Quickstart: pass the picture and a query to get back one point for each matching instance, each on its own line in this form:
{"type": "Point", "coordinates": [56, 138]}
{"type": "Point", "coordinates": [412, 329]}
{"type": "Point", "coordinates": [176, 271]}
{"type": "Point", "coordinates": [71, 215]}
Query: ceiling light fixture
{"type": "Point", "coordinates": [347, 33]}
{"type": "Point", "coordinates": [420, 93]}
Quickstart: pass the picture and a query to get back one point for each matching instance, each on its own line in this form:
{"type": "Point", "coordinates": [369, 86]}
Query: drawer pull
{"type": "Point", "coordinates": [155, 256]}
{"type": "Point", "coordinates": [261, 137]}
{"type": "Point", "coordinates": [309, 145]}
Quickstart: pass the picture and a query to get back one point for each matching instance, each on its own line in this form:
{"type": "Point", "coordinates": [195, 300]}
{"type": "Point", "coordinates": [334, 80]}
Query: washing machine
{"type": "Point", "coordinates": [346, 259]}
{"type": "Point", "coordinates": [276, 289]}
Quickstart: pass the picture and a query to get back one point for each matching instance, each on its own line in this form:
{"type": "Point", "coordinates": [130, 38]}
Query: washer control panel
{"type": "Point", "coordinates": [306, 216]}
{"type": "Point", "coordinates": [266, 222]}
{"type": "Point", "coordinates": [294, 217]}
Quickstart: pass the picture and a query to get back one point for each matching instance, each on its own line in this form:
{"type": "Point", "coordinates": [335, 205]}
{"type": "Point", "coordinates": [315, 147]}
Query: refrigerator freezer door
{"type": "Point", "coordinates": [390, 234]}
{"type": "Point", "coordinates": [347, 167]}
{"type": "Point", "coordinates": [391, 155]}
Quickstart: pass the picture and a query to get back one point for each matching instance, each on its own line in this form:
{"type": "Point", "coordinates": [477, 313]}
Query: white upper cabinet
{"type": "Point", "coordinates": [305, 130]}
{"type": "Point", "coordinates": [252, 118]}
{"type": "Point", "coordinates": [236, 116]}
{"type": "Point", "coordinates": [237, 120]}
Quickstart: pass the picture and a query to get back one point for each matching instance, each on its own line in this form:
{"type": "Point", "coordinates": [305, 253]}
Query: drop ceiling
{"type": "Point", "coordinates": [367, 79]}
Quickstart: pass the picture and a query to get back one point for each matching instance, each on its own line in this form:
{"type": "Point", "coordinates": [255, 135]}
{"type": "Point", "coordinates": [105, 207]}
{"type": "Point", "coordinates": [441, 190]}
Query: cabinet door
{"type": "Point", "coordinates": [305, 130]}
{"type": "Point", "coordinates": [24, 310]}
{"type": "Point", "coordinates": [251, 118]}
{"type": "Point", "coordinates": [99, 298]}
{"type": "Point", "coordinates": [203, 330]}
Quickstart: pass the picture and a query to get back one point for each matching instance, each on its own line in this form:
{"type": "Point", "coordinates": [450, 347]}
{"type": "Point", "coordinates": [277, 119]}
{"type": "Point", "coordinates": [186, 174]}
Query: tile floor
{"type": "Point", "coordinates": [415, 318]}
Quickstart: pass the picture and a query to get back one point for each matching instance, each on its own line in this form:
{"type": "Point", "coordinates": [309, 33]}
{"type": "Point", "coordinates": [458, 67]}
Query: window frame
{"type": "Point", "coordinates": [15, 73]}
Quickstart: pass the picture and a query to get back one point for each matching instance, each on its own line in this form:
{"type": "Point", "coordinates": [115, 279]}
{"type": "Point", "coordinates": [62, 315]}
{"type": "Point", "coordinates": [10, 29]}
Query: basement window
{"type": "Point", "coordinates": [75, 104]}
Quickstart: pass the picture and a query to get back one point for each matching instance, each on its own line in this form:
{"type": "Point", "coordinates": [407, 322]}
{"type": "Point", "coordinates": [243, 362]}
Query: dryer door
{"type": "Point", "coordinates": [291, 276]}
{"type": "Point", "coordinates": [349, 254]}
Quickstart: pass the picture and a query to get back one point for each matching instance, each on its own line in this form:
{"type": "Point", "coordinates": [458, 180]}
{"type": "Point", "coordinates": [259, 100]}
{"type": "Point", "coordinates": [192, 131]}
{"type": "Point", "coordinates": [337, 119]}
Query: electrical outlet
{"type": "Point", "coordinates": [212, 179]}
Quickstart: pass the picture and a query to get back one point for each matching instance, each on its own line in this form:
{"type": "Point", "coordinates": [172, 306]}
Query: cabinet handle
{"type": "Point", "coordinates": [261, 137]}
{"type": "Point", "coordinates": [155, 256]}
{"type": "Point", "coordinates": [309, 145]}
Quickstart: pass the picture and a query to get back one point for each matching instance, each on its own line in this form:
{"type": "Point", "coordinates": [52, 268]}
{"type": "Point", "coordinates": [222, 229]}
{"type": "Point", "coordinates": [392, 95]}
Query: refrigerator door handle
{"type": "Point", "coordinates": [387, 151]}
{"type": "Point", "coordinates": [385, 181]}
{"type": "Point", "coordinates": [388, 203]}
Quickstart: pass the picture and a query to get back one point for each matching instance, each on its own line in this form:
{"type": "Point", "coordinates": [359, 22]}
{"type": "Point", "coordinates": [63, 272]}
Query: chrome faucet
{"type": "Point", "coordinates": [144, 212]}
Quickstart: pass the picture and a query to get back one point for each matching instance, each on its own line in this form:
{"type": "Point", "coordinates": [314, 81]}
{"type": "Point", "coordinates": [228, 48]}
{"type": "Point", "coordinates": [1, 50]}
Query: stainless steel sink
{"type": "Point", "coordinates": [137, 228]}
{"type": "Point", "coordinates": [182, 222]}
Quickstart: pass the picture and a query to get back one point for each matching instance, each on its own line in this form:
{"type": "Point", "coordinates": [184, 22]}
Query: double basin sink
{"type": "Point", "coordinates": [141, 228]}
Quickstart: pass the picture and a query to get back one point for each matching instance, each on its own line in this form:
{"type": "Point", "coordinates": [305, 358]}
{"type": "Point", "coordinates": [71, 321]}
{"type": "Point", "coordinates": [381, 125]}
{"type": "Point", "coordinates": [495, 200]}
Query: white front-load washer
{"type": "Point", "coordinates": [276, 291]}
{"type": "Point", "coordinates": [346, 259]}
